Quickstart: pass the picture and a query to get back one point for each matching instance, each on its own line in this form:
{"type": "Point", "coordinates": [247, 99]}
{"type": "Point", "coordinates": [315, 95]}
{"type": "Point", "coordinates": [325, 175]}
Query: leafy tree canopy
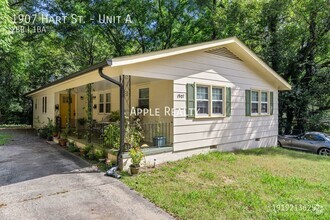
{"type": "Point", "coordinates": [291, 36]}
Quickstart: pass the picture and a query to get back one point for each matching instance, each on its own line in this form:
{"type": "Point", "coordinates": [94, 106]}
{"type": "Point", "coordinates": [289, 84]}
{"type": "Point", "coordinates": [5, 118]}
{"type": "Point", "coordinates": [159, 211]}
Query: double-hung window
{"type": "Point", "coordinates": [202, 100]}
{"type": "Point", "coordinates": [255, 102]}
{"type": "Point", "coordinates": [144, 98]}
{"type": "Point", "coordinates": [264, 102]}
{"type": "Point", "coordinates": [207, 101]}
{"type": "Point", "coordinates": [217, 101]}
{"type": "Point", "coordinates": [44, 104]}
{"type": "Point", "coordinates": [105, 103]}
{"type": "Point", "coordinates": [259, 102]}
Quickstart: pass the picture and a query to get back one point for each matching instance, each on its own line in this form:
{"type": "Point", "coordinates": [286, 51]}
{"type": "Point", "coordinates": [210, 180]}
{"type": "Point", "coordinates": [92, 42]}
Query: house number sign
{"type": "Point", "coordinates": [181, 96]}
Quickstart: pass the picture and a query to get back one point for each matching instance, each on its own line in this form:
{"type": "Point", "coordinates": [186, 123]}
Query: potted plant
{"type": "Point", "coordinates": [85, 150]}
{"type": "Point", "coordinates": [159, 140]}
{"type": "Point", "coordinates": [136, 155]}
{"type": "Point", "coordinates": [49, 135]}
{"type": "Point", "coordinates": [43, 132]}
{"type": "Point", "coordinates": [49, 129]}
{"type": "Point", "coordinates": [55, 131]}
{"type": "Point", "coordinates": [64, 138]}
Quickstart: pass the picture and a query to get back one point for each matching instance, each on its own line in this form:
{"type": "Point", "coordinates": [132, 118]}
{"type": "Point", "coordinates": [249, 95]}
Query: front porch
{"type": "Point", "coordinates": [89, 114]}
{"type": "Point", "coordinates": [98, 128]}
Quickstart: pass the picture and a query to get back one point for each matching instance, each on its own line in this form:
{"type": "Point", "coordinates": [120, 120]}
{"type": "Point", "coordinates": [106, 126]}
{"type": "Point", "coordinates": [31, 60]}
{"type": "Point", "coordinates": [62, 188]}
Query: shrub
{"type": "Point", "coordinates": [91, 155]}
{"type": "Point", "coordinates": [114, 116]}
{"type": "Point", "coordinates": [96, 153]}
{"type": "Point", "coordinates": [112, 135]}
{"type": "Point", "coordinates": [73, 148]}
{"type": "Point", "coordinates": [43, 132]}
{"type": "Point", "coordinates": [134, 133]}
{"type": "Point", "coordinates": [85, 150]}
{"type": "Point", "coordinates": [136, 154]}
{"type": "Point", "coordinates": [99, 153]}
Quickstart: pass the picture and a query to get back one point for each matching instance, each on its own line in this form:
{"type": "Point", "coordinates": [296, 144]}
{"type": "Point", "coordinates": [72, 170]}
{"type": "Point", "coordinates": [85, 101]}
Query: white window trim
{"type": "Point", "coordinates": [208, 101]}
{"type": "Point", "coordinates": [143, 98]}
{"type": "Point", "coordinates": [259, 102]}
{"type": "Point", "coordinates": [210, 114]}
{"type": "Point", "coordinates": [223, 101]}
{"type": "Point", "coordinates": [104, 103]}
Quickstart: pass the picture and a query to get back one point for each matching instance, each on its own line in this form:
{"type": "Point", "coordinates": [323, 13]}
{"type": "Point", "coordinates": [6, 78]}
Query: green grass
{"type": "Point", "coordinates": [4, 138]}
{"type": "Point", "coordinates": [272, 183]}
{"type": "Point", "coordinates": [12, 126]}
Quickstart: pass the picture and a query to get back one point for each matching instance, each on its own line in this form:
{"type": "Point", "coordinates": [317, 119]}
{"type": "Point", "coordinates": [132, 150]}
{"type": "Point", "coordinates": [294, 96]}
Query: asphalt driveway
{"type": "Point", "coordinates": [43, 181]}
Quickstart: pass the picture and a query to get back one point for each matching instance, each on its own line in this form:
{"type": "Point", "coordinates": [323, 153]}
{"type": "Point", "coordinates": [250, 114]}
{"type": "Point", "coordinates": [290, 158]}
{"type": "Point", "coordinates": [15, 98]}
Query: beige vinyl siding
{"type": "Point", "coordinates": [208, 69]}
{"type": "Point", "coordinates": [222, 126]}
{"type": "Point", "coordinates": [198, 65]}
{"type": "Point", "coordinates": [237, 131]}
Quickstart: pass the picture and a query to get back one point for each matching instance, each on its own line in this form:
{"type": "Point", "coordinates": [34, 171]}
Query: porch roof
{"type": "Point", "coordinates": [71, 76]}
{"type": "Point", "coordinates": [233, 44]}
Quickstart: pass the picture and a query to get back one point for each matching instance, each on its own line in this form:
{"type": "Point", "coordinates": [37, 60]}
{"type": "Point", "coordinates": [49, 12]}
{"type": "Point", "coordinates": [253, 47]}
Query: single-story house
{"type": "Point", "coordinates": [216, 95]}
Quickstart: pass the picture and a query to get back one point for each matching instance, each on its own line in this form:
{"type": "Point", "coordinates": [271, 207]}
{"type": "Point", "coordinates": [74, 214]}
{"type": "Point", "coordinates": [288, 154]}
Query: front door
{"type": "Point", "coordinates": [64, 109]}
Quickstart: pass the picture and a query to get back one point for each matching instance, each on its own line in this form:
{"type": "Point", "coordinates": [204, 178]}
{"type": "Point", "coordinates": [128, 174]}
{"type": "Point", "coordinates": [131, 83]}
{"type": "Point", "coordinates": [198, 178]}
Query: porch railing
{"type": "Point", "coordinates": [150, 131]}
{"type": "Point", "coordinates": [80, 131]}
{"type": "Point", "coordinates": [165, 129]}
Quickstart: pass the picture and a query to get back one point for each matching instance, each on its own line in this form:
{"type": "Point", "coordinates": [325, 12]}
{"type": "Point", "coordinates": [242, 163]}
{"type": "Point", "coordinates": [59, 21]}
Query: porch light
{"type": "Point", "coordinates": [94, 97]}
{"type": "Point", "coordinates": [81, 97]}
{"type": "Point", "coordinates": [94, 106]}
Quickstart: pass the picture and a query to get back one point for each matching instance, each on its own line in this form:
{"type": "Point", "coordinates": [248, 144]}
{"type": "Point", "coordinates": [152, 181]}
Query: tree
{"type": "Point", "coordinates": [5, 28]}
{"type": "Point", "coordinates": [291, 36]}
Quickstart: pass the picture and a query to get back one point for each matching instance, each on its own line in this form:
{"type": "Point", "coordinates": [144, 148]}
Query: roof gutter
{"type": "Point", "coordinates": [71, 76]}
{"type": "Point", "coordinates": [122, 118]}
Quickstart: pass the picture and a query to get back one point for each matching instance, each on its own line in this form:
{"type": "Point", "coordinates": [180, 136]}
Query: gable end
{"type": "Point", "coordinates": [224, 52]}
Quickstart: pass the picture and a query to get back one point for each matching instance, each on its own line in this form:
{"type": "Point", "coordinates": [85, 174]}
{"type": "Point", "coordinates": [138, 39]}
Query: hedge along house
{"type": "Point", "coordinates": [216, 95]}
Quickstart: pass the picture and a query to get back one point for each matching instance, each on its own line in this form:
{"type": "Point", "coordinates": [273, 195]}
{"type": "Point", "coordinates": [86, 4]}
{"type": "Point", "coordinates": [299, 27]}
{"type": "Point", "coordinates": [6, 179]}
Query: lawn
{"type": "Point", "coordinates": [271, 183]}
{"type": "Point", "coordinates": [3, 138]}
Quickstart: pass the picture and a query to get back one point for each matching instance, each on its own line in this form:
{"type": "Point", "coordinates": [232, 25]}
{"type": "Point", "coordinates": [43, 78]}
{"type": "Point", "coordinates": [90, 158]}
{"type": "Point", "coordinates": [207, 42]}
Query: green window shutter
{"type": "Point", "coordinates": [271, 103]}
{"type": "Point", "coordinates": [228, 102]}
{"type": "Point", "coordinates": [190, 100]}
{"type": "Point", "coordinates": [248, 102]}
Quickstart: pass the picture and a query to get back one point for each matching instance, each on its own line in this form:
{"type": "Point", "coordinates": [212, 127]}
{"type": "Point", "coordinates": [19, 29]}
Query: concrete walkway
{"type": "Point", "coordinates": [41, 181]}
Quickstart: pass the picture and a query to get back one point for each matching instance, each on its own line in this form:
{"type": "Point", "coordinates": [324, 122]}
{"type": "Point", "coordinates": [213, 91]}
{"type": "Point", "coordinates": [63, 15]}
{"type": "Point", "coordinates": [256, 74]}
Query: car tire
{"type": "Point", "coordinates": [324, 151]}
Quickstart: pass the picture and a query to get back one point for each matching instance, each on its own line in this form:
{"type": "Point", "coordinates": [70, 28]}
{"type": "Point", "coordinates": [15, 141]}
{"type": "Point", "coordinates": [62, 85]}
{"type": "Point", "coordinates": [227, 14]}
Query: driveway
{"type": "Point", "coordinates": [43, 181]}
